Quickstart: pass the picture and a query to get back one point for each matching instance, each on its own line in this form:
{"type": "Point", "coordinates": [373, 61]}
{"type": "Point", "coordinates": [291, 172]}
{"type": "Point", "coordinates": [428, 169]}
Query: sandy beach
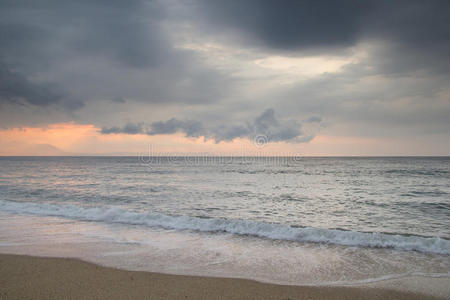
{"type": "Point", "coordinates": [27, 277]}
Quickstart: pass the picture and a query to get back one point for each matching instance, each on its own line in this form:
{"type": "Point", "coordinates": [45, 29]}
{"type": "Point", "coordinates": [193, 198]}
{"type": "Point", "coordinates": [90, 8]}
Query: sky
{"type": "Point", "coordinates": [212, 77]}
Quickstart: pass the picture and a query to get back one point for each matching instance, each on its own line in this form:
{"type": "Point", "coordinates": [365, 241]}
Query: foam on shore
{"type": "Point", "coordinates": [233, 226]}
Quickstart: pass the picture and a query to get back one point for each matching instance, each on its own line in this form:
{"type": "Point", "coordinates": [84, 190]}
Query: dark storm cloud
{"type": "Point", "coordinates": [127, 31]}
{"type": "Point", "coordinates": [137, 59]}
{"type": "Point", "coordinates": [291, 24]}
{"type": "Point", "coordinates": [38, 37]}
{"type": "Point", "coordinates": [87, 51]}
{"type": "Point", "coordinates": [266, 125]}
{"type": "Point", "coordinates": [15, 88]}
{"type": "Point", "coordinates": [418, 32]}
{"type": "Point", "coordinates": [415, 35]}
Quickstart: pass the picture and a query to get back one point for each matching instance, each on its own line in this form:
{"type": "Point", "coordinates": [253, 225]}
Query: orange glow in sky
{"type": "Point", "coordinates": [86, 139]}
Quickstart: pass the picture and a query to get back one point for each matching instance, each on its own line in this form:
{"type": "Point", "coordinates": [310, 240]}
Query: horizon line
{"type": "Point", "coordinates": [235, 156]}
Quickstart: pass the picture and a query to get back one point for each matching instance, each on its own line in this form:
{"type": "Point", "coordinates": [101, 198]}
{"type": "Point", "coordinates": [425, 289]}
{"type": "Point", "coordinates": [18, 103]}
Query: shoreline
{"type": "Point", "coordinates": [26, 277]}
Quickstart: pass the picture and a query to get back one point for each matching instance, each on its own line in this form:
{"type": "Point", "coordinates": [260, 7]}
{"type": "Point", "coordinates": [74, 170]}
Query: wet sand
{"type": "Point", "coordinates": [27, 277]}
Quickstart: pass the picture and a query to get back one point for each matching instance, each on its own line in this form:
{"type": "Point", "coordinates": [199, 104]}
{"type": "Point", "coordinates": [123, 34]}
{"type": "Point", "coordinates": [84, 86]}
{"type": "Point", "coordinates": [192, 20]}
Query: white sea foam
{"type": "Point", "coordinates": [233, 226]}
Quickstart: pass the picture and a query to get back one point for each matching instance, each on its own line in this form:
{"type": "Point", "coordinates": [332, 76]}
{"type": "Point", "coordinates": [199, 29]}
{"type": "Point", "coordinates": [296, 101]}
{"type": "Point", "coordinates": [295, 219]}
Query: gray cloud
{"type": "Point", "coordinates": [90, 50]}
{"type": "Point", "coordinates": [416, 32]}
{"type": "Point", "coordinates": [97, 62]}
{"type": "Point", "coordinates": [369, 104]}
{"type": "Point", "coordinates": [266, 125]}
{"type": "Point", "coordinates": [118, 99]}
{"type": "Point", "coordinates": [15, 88]}
{"type": "Point", "coordinates": [314, 119]}
{"type": "Point", "coordinates": [128, 32]}
{"type": "Point", "coordinates": [189, 127]}
{"type": "Point", "coordinates": [129, 128]}
{"type": "Point", "coordinates": [275, 130]}
{"type": "Point", "coordinates": [292, 24]}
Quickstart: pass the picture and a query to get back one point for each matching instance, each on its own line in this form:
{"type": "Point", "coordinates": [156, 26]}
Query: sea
{"type": "Point", "coordinates": [287, 220]}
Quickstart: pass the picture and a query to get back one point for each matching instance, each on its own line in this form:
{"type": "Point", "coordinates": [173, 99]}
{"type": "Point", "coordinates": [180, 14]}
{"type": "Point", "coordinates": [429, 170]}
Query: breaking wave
{"type": "Point", "coordinates": [233, 226]}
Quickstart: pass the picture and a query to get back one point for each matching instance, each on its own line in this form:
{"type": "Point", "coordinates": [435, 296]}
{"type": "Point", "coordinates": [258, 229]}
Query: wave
{"type": "Point", "coordinates": [233, 226]}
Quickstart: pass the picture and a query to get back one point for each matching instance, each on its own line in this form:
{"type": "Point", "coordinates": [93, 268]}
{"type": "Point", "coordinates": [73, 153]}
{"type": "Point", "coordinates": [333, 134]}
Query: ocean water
{"type": "Point", "coordinates": [276, 219]}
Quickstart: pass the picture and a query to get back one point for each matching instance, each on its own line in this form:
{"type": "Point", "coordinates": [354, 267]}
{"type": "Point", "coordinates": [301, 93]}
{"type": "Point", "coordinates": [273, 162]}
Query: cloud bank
{"type": "Point", "coordinates": [266, 126]}
{"type": "Point", "coordinates": [374, 68]}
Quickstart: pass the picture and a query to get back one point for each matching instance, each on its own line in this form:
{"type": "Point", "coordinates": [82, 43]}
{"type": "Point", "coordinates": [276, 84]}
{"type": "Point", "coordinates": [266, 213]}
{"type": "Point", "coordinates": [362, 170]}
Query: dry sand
{"type": "Point", "coordinates": [26, 277]}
